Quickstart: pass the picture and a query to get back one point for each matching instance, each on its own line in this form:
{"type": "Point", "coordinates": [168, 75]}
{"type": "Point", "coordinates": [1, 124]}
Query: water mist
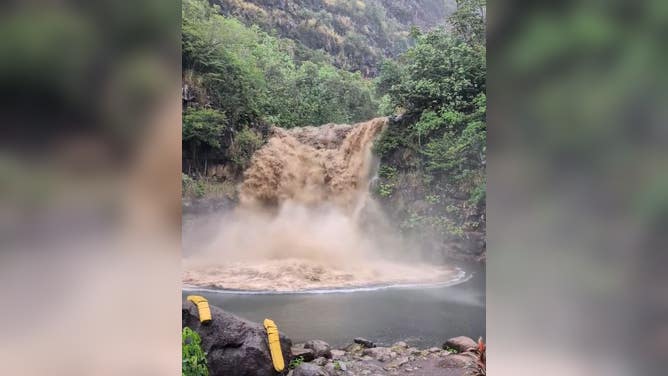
{"type": "Point", "coordinates": [306, 220]}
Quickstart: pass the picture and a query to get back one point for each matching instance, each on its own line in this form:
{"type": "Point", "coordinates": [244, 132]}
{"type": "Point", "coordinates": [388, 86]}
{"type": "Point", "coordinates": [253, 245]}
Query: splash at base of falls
{"type": "Point", "coordinates": [306, 221]}
{"type": "Point", "coordinates": [295, 275]}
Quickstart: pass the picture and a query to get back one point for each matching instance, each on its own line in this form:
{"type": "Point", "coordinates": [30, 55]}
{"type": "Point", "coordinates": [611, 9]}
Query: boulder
{"type": "Point", "coordinates": [400, 344]}
{"type": "Point", "coordinates": [320, 361]}
{"type": "Point", "coordinates": [319, 347]}
{"type": "Point", "coordinates": [354, 348]}
{"type": "Point", "coordinates": [234, 346]}
{"type": "Point", "coordinates": [382, 354]}
{"type": "Point", "coordinates": [414, 351]}
{"type": "Point", "coordinates": [308, 369]}
{"type": "Point", "coordinates": [331, 369]}
{"type": "Point", "coordinates": [306, 354]}
{"type": "Point", "coordinates": [338, 354]}
{"type": "Point", "coordinates": [458, 361]}
{"type": "Point", "coordinates": [364, 342]}
{"type": "Point", "coordinates": [461, 344]}
{"type": "Point", "coordinates": [399, 362]}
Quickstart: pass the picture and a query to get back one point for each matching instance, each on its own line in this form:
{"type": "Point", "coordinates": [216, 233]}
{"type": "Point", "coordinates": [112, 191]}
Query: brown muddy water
{"type": "Point", "coordinates": [306, 221]}
{"type": "Point", "coordinates": [421, 316]}
{"type": "Point", "coordinates": [308, 246]}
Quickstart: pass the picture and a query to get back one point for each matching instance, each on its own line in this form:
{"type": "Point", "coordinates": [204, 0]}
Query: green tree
{"type": "Point", "coordinates": [202, 127]}
{"type": "Point", "coordinates": [468, 21]}
{"type": "Point", "coordinates": [438, 146]}
{"type": "Point", "coordinates": [440, 70]}
{"type": "Point", "coordinates": [245, 143]}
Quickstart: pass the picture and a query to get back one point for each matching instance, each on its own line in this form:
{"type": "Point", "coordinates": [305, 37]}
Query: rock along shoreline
{"type": "Point", "coordinates": [238, 347]}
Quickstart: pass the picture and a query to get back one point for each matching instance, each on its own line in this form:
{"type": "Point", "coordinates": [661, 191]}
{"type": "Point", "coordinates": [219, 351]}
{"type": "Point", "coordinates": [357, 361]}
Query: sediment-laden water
{"type": "Point", "coordinates": [306, 221]}
{"type": "Point", "coordinates": [422, 316]}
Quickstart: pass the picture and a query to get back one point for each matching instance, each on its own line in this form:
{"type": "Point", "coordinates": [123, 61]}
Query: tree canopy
{"type": "Point", "coordinates": [438, 86]}
{"type": "Point", "coordinates": [238, 78]}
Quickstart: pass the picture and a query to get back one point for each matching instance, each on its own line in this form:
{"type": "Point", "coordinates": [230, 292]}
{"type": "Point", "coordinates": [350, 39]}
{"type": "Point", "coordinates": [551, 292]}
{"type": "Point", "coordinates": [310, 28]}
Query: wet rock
{"type": "Point", "coordinates": [234, 346]}
{"type": "Point", "coordinates": [364, 342]}
{"type": "Point", "coordinates": [306, 354]}
{"type": "Point", "coordinates": [330, 368]}
{"type": "Point", "coordinates": [308, 369]}
{"type": "Point", "coordinates": [354, 348]}
{"type": "Point", "coordinates": [461, 344]}
{"type": "Point", "coordinates": [458, 361]}
{"type": "Point", "coordinates": [319, 347]}
{"type": "Point", "coordinates": [399, 362]}
{"type": "Point", "coordinates": [414, 351]}
{"type": "Point", "coordinates": [400, 344]}
{"type": "Point", "coordinates": [321, 361]}
{"type": "Point", "coordinates": [338, 354]}
{"type": "Point", "coordinates": [382, 354]}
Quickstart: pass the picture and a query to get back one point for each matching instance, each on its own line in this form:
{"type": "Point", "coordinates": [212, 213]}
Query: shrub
{"type": "Point", "coordinates": [296, 362]}
{"type": "Point", "coordinates": [193, 359]}
{"type": "Point", "coordinates": [245, 143]}
{"type": "Point", "coordinates": [191, 187]}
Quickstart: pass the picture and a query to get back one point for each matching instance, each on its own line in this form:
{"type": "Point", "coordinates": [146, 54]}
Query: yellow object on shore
{"type": "Point", "coordinates": [274, 345]}
{"type": "Point", "coordinates": [202, 307]}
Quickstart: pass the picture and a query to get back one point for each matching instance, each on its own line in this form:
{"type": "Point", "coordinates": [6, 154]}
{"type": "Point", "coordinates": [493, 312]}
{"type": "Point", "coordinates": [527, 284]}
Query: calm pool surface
{"type": "Point", "coordinates": [422, 317]}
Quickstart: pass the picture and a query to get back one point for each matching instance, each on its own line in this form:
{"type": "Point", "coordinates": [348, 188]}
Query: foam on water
{"type": "Point", "coordinates": [461, 277]}
{"type": "Point", "coordinates": [308, 223]}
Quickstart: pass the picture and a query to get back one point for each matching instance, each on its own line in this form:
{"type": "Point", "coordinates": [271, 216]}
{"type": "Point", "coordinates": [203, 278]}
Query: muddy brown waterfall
{"type": "Point", "coordinates": [299, 224]}
{"type": "Point", "coordinates": [313, 165]}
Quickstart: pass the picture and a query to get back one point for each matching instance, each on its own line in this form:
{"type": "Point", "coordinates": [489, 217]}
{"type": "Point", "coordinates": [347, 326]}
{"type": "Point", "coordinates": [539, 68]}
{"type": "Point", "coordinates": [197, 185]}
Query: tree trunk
{"type": "Point", "coordinates": [194, 156]}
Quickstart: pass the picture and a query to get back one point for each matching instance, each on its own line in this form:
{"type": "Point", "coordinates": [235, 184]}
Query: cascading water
{"type": "Point", "coordinates": [306, 220]}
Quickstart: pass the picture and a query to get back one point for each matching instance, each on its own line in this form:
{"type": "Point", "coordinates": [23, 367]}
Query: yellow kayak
{"type": "Point", "coordinates": [202, 307]}
{"type": "Point", "coordinates": [274, 345]}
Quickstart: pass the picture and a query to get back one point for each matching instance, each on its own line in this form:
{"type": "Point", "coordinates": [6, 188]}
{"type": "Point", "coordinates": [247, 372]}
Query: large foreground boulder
{"type": "Point", "coordinates": [320, 348]}
{"type": "Point", "coordinates": [234, 346]}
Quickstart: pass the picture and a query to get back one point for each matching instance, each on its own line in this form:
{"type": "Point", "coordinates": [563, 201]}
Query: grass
{"type": "Point", "coordinates": [296, 362]}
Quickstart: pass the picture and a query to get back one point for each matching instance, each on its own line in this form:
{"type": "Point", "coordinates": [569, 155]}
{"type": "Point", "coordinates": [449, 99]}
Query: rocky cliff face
{"type": "Point", "coordinates": [355, 35]}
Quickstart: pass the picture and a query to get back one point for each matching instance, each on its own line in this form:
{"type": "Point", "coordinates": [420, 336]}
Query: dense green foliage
{"type": "Point", "coordinates": [238, 79]}
{"type": "Point", "coordinates": [436, 152]}
{"type": "Point", "coordinates": [193, 359]}
{"type": "Point", "coordinates": [354, 35]}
